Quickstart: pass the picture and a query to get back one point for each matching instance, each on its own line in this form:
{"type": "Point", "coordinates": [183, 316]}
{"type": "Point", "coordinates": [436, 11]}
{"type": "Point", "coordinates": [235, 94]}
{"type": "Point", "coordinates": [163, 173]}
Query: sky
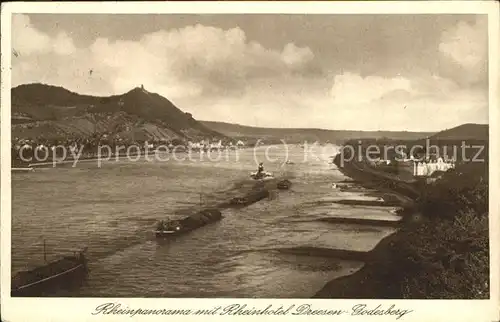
{"type": "Point", "coordinates": [356, 72]}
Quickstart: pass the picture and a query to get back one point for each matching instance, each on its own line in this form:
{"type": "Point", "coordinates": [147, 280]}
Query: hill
{"type": "Point", "coordinates": [55, 112]}
{"type": "Point", "coordinates": [468, 131]}
{"type": "Point", "coordinates": [296, 135]}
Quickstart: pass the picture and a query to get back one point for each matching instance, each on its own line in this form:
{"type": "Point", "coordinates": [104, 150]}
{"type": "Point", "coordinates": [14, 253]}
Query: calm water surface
{"type": "Point", "coordinates": [112, 209]}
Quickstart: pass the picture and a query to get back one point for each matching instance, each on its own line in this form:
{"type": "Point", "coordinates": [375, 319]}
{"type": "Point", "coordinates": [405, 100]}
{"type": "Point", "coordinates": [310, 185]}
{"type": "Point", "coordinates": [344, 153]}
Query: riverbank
{"type": "Point", "coordinates": [431, 256]}
{"type": "Point", "coordinates": [148, 155]}
{"type": "Point", "coordinates": [415, 263]}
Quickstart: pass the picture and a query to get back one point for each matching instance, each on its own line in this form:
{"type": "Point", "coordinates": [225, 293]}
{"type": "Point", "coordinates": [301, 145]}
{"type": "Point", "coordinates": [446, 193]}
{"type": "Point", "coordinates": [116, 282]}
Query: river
{"type": "Point", "coordinates": [112, 209]}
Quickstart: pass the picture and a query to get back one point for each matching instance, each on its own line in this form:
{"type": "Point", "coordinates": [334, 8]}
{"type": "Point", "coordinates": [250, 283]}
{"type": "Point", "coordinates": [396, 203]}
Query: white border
{"type": "Point", "coordinates": [72, 309]}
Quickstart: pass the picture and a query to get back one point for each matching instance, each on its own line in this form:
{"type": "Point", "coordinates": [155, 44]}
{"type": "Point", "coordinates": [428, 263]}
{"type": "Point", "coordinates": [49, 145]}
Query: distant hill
{"type": "Point", "coordinates": [296, 135]}
{"type": "Point", "coordinates": [55, 112]}
{"type": "Point", "coordinates": [468, 131]}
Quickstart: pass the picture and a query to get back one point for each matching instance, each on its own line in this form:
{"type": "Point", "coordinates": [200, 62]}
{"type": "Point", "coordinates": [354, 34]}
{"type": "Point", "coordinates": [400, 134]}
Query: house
{"type": "Point", "coordinates": [427, 169]}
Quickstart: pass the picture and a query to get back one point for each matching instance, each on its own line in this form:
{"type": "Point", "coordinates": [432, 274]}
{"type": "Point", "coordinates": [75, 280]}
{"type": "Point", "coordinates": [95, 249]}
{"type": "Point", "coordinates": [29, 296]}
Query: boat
{"type": "Point", "coordinates": [43, 280]}
{"type": "Point", "coordinates": [250, 198]}
{"type": "Point", "coordinates": [261, 175]}
{"type": "Point", "coordinates": [167, 228]}
{"type": "Point", "coordinates": [284, 184]}
{"type": "Point", "coordinates": [289, 162]}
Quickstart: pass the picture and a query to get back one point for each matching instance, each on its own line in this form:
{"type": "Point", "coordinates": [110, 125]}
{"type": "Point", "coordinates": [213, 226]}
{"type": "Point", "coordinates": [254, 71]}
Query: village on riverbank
{"type": "Point", "coordinates": [441, 249]}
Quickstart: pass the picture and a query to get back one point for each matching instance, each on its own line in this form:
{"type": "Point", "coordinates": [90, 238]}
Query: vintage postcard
{"type": "Point", "coordinates": [250, 160]}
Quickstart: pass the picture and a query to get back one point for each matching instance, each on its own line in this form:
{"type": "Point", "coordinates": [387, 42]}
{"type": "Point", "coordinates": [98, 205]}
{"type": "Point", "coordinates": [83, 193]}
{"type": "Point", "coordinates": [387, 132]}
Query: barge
{"type": "Point", "coordinates": [170, 228]}
{"type": "Point", "coordinates": [250, 198]}
{"type": "Point", "coordinates": [43, 280]}
{"type": "Point", "coordinates": [284, 184]}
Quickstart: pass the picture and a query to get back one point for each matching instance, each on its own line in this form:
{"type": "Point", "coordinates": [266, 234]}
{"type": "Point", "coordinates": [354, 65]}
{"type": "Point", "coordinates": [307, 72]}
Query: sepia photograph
{"type": "Point", "coordinates": [249, 156]}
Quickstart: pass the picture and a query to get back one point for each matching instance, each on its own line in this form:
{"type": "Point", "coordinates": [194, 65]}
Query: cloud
{"type": "Point", "coordinates": [398, 103]}
{"type": "Point", "coordinates": [299, 106]}
{"type": "Point", "coordinates": [367, 103]}
{"type": "Point", "coordinates": [352, 89]}
{"type": "Point", "coordinates": [63, 44]}
{"type": "Point", "coordinates": [221, 74]}
{"type": "Point", "coordinates": [466, 45]}
{"type": "Point", "coordinates": [213, 60]}
{"type": "Point", "coordinates": [296, 57]}
{"type": "Point", "coordinates": [27, 40]}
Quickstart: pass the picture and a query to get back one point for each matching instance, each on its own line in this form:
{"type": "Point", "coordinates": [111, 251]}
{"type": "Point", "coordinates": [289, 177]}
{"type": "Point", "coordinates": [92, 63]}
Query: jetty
{"type": "Point", "coordinates": [368, 203]}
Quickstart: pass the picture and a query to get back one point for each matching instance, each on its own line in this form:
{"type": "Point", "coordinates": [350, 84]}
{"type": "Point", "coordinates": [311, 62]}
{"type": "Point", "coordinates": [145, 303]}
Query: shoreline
{"type": "Point", "coordinates": [372, 280]}
{"type": "Point", "coordinates": [115, 157]}
{"type": "Point", "coordinates": [364, 283]}
{"type": "Point", "coordinates": [441, 250]}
